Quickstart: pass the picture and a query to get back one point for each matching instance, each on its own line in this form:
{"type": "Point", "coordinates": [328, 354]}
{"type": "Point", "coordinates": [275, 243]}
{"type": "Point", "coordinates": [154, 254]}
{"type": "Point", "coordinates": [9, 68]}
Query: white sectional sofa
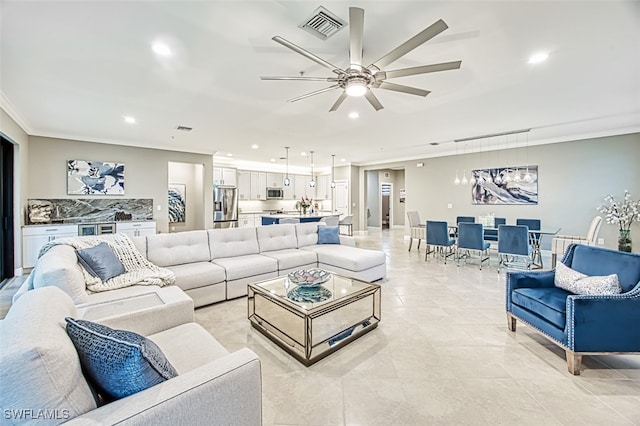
{"type": "Point", "coordinates": [41, 379]}
{"type": "Point", "coordinates": [217, 264]}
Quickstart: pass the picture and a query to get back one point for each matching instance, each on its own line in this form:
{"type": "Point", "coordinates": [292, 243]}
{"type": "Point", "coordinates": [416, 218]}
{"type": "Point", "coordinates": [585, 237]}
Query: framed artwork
{"type": "Point", "coordinates": [177, 202]}
{"type": "Point", "coordinates": [506, 185]}
{"type": "Point", "coordinates": [94, 178]}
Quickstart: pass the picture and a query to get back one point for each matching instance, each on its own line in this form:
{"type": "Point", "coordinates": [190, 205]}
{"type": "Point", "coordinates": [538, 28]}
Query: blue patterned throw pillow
{"type": "Point", "coordinates": [100, 261]}
{"type": "Point", "coordinates": [579, 283]}
{"type": "Point", "coordinates": [118, 362]}
{"type": "Point", "coordinates": [328, 235]}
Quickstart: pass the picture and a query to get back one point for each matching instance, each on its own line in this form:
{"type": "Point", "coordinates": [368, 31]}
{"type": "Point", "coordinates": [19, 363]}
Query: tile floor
{"type": "Point", "coordinates": [441, 355]}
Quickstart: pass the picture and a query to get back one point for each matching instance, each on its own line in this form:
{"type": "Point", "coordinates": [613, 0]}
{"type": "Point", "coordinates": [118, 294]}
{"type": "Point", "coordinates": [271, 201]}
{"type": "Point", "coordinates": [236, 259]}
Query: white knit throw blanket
{"type": "Point", "coordinates": [138, 269]}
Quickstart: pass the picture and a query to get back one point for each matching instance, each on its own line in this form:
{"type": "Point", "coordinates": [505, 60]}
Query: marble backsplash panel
{"type": "Point", "coordinates": [79, 210]}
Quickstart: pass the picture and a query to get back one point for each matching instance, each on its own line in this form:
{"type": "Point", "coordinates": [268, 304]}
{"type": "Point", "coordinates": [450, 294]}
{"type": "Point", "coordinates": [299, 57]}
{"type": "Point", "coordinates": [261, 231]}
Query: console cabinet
{"type": "Point", "coordinates": [136, 229]}
{"type": "Point", "coordinates": [34, 237]}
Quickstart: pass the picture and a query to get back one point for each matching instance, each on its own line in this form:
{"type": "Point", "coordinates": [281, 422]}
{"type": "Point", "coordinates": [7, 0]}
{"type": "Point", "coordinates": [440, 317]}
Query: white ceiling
{"type": "Point", "coordinates": [75, 69]}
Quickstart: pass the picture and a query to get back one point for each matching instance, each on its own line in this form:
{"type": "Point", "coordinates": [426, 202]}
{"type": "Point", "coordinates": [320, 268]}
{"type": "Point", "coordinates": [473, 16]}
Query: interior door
{"type": "Point", "coordinates": [342, 197]}
{"type": "Point", "coordinates": [7, 267]}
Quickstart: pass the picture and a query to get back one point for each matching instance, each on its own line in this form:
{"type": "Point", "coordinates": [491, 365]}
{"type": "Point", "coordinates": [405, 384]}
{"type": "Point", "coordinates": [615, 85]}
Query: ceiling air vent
{"type": "Point", "coordinates": [323, 24]}
{"type": "Point", "coordinates": [184, 128]}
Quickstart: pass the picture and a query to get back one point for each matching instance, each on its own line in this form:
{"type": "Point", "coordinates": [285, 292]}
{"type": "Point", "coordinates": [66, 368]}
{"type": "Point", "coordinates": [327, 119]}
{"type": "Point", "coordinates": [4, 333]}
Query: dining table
{"type": "Point", "coordinates": [535, 240]}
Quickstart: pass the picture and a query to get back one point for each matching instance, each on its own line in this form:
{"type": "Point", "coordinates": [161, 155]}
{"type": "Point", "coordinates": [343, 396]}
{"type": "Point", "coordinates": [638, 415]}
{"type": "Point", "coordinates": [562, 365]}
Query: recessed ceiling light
{"type": "Point", "coordinates": [273, 160]}
{"type": "Point", "coordinates": [536, 58]}
{"type": "Point", "coordinates": [254, 146]}
{"type": "Point", "coordinates": [161, 49]}
{"type": "Point", "coordinates": [129, 119]}
{"type": "Point", "coordinates": [353, 115]}
{"type": "Point", "coordinates": [304, 154]}
{"type": "Point", "coordinates": [343, 159]}
{"type": "Point", "coordinates": [229, 154]}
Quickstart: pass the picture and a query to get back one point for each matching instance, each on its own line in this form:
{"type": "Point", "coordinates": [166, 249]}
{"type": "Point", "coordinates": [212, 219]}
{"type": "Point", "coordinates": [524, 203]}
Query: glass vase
{"type": "Point", "coordinates": [304, 210]}
{"type": "Point", "coordinates": [624, 240]}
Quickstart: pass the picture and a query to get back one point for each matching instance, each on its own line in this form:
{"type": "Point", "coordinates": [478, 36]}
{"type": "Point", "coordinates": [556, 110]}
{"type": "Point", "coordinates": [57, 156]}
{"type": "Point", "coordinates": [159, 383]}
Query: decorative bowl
{"type": "Point", "coordinates": [309, 277]}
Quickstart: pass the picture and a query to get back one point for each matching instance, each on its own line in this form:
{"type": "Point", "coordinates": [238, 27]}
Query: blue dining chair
{"type": "Point", "coordinates": [513, 244]}
{"type": "Point", "coordinates": [471, 237]}
{"type": "Point", "coordinates": [492, 234]}
{"type": "Point", "coordinates": [462, 219]}
{"type": "Point", "coordinates": [438, 237]}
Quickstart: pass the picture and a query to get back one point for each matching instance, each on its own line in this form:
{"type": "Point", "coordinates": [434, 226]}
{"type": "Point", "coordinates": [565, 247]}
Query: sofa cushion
{"type": "Point", "coordinates": [292, 258]}
{"type": "Point", "coordinates": [233, 242]}
{"type": "Point", "coordinates": [346, 257]}
{"type": "Point", "coordinates": [247, 266]}
{"type": "Point", "coordinates": [579, 283]}
{"type": "Point", "coordinates": [119, 362]}
{"type": "Point", "coordinates": [188, 346]}
{"type": "Point", "coordinates": [592, 261]}
{"type": "Point", "coordinates": [271, 238]}
{"type": "Point", "coordinates": [178, 248]}
{"type": "Point", "coordinates": [39, 367]}
{"type": "Point", "coordinates": [100, 261]}
{"type": "Point", "coordinates": [307, 234]}
{"type": "Point", "coordinates": [548, 302]}
{"type": "Point", "coordinates": [328, 235]}
{"type": "Point", "coordinates": [198, 274]}
{"type": "Point", "coordinates": [59, 267]}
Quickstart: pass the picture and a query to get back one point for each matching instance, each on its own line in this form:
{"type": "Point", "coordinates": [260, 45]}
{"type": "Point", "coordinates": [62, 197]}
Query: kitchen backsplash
{"type": "Point", "coordinates": [79, 210]}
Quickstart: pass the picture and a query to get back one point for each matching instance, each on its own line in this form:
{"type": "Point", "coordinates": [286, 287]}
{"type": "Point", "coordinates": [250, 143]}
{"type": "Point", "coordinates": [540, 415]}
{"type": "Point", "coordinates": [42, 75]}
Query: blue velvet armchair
{"type": "Point", "coordinates": [580, 324]}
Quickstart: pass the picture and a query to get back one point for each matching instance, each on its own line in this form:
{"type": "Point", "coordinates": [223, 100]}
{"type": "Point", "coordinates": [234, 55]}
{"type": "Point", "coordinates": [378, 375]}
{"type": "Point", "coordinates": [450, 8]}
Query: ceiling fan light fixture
{"type": "Point", "coordinates": [356, 87]}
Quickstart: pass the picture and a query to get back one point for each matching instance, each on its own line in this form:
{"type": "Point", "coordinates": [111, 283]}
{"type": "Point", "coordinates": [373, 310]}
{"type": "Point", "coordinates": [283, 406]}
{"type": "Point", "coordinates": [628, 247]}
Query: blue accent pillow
{"type": "Point", "coordinates": [118, 362]}
{"type": "Point", "coordinates": [100, 261]}
{"type": "Point", "coordinates": [328, 235]}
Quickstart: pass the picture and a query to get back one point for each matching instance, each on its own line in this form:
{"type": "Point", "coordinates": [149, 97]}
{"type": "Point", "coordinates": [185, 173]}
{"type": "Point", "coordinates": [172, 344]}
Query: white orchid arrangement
{"type": "Point", "coordinates": [622, 213]}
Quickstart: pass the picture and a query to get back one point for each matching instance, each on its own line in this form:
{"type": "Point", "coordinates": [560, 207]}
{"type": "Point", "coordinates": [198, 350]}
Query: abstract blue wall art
{"type": "Point", "coordinates": [177, 202]}
{"type": "Point", "coordinates": [94, 178]}
{"type": "Point", "coordinates": [505, 185]}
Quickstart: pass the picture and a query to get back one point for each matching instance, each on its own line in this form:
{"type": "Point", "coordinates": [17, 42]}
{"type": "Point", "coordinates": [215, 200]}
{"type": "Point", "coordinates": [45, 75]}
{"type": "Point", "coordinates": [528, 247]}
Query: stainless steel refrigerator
{"type": "Point", "coordinates": [225, 206]}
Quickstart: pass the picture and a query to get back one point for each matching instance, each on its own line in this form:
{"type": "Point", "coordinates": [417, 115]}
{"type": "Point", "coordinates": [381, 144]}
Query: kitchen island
{"type": "Point", "coordinates": [274, 219]}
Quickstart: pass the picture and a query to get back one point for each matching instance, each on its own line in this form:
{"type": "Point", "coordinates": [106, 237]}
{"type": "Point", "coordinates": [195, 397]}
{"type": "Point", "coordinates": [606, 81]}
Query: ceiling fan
{"type": "Point", "coordinates": [358, 80]}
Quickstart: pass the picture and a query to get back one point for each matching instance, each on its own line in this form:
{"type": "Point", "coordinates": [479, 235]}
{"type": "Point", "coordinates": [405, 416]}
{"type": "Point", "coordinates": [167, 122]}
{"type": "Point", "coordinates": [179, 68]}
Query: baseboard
{"type": "Point", "coordinates": [18, 271]}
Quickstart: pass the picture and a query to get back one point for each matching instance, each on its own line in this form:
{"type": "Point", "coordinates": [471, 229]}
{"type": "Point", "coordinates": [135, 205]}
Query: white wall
{"type": "Point", "coordinates": [191, 175]}
{"type": "Point", "coordinates": [573, 179]}
{"type": "Point", "coordinates": [146, 172]}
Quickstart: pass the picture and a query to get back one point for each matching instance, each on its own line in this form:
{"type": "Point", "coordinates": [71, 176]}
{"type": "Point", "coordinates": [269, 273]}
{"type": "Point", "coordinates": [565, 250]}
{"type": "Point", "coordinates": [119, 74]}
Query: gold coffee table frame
{"type": "Point", "coordinates": [312, 330]}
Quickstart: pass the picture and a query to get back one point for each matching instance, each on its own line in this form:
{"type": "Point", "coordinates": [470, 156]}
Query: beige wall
{"type": "Point", "coordinates": [12, 131]}
{"type": "Point", "coordinates": [573, 179]}
{"type": "Point", "coordinates": [146, 172]}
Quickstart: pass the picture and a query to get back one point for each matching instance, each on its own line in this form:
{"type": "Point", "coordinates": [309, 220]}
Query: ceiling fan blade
{"type": "Point", "coordinates": [445, 66]}
{"type": "Point", "coordinates": [307, 54]}
{"type": "Point", "coordinates": [356, 32]}
{"type": "Point", "coordinates": [373, 100]}
{"type": "Point", "coordinates": [338, 102]}
{"type": "Point", "coordinates": [403, 89]}
{"type": "Point", "coordinates": [415, 41]}
{"type": "Point", "coordinates": [317, 92]}
{"type": "Point", "coordinates": [329, 79]}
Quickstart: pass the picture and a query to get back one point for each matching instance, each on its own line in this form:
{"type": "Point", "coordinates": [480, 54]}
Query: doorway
{"type": "Point", "coordinates": [386, 189]}
{"type": "Point", "coordinates": [7, 267]}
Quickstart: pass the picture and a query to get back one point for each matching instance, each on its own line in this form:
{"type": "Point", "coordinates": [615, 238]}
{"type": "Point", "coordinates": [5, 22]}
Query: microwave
{"type": "Point", "coordinates": [275, 193]}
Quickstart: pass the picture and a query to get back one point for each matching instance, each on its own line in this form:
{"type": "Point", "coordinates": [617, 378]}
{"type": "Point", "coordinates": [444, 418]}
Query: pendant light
{"type": "Point", "coordinates": [333, 162]}
{"type": "Point", "coordinates": [464, 180]}
{"type": "Point", "coordinates": [287, 181]}
{"type": "Point", "coordinates": [472, 179]}
{"type": "Point", "coordinates": [312, 182]}
{"type": "Point", "coordinates": [456, 181]}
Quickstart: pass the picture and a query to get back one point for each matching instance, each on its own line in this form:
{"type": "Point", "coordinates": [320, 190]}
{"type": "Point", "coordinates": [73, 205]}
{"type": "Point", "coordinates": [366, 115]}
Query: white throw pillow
{"type": "Point", "coordinates": [579, 283]}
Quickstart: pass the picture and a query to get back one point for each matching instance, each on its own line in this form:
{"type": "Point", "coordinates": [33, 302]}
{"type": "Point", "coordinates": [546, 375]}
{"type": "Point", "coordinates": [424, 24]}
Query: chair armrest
{"type": "Point", "coordinates": [530, 279]}
{"type": "Point", "coordinates": [225, 391]}
{"type": "Point", "coordinates": [604, 323]}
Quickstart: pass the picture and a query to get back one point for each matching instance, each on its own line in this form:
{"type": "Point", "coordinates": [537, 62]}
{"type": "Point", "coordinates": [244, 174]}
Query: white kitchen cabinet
{"type": "Point", "coordinates": [302, 188]}
{"type": "Point", "coordinates": [258, 186]}
{"type": "Point", "coordinates": [224, 176]}
{"type": "Point", "coordinates": [136, 229]}
{"type": "Point", "coordinates": [34, 237]}
{"type": "Point", "coordinates": [288, 192]}
{"type": "Point", "coordinates": [248, 220]}
{"type": "Point", "coordinates": [323, 187]}
{"type": "Point", "coordinates": [244, 185]}
{"type": "Point", "coordinates": [275, 180]}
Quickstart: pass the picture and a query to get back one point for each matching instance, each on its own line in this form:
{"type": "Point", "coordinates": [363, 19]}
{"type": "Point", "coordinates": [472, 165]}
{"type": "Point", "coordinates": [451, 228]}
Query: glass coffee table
{"type": "Point", "coordinates": [313, 322]}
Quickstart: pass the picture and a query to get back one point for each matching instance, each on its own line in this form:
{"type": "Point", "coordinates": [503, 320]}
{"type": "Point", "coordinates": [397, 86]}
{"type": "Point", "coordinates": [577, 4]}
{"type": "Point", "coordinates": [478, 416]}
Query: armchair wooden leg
{"type": "Point", "coordinates": [574, 362]}
{"type": "Point", "coordinates": [553, 260]}
{"type": "Point", "coordinates": [511, 322]}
